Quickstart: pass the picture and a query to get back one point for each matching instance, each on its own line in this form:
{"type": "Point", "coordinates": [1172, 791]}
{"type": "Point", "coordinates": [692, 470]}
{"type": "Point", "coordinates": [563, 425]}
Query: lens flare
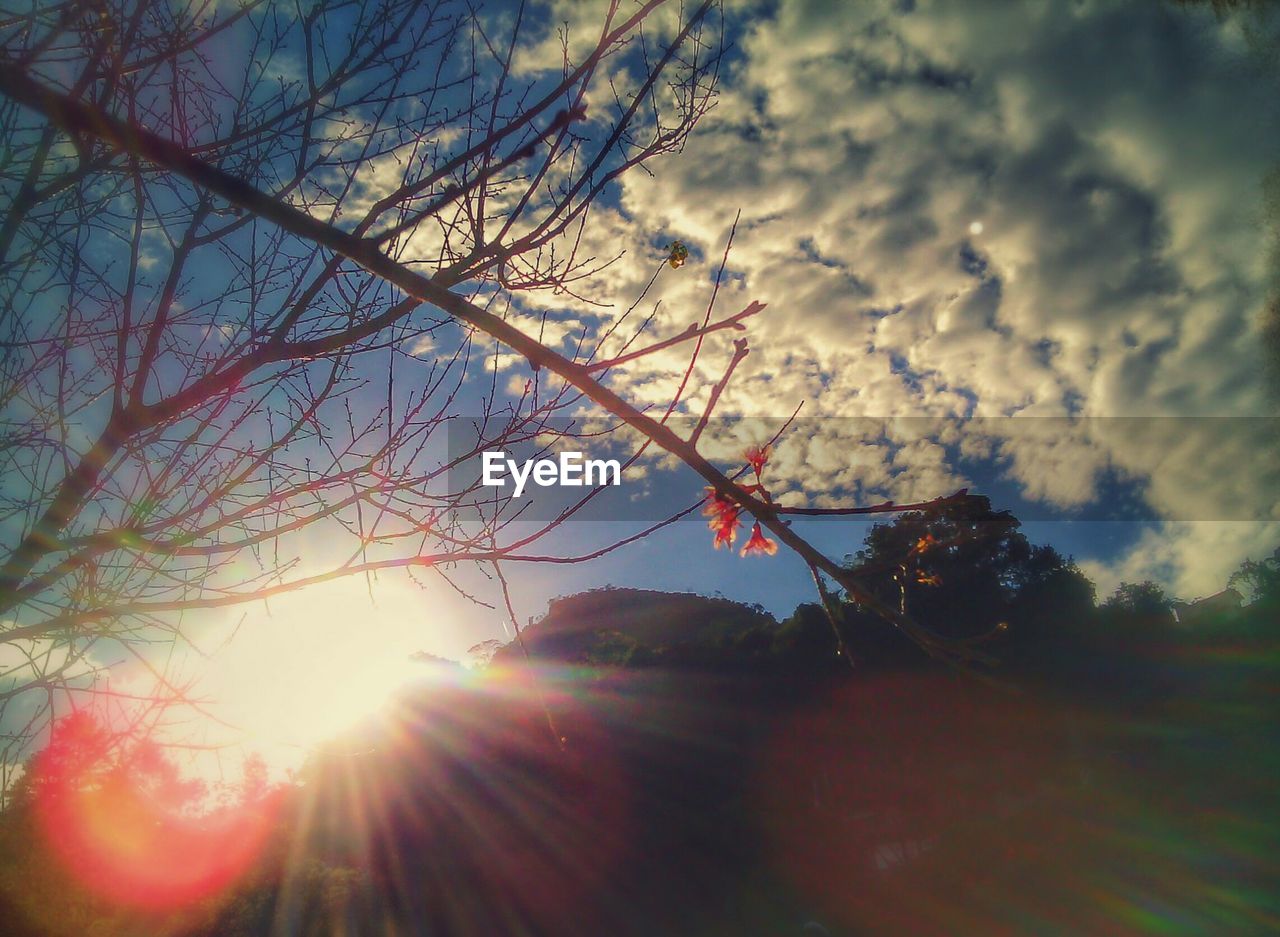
{"type": "Point", "coordinates": [129, 829]}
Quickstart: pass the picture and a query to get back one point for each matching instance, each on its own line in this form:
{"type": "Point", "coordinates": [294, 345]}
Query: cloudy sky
{"type": "Point", "coordinates": [1024, 248]}
{"type": "Point", "coordinates": [1014, 224]}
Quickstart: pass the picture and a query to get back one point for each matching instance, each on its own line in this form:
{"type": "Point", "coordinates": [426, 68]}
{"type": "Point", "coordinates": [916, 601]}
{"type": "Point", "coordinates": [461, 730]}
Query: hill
{"type": "Point", "coordinates": [637, 626]}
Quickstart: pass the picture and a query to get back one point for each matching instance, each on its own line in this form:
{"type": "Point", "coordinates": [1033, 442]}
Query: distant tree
{"type": "Point", "coordinates": [1146, 599]}
{"type": "Point", "coordinates": [104, 834]}
{"type": "Point", "coordinates": [968, 572]}
{"type": "Point", "coordinates": [925, 558]}
{"type": "Point", "coordinates": [1259, 580]}
{"type": "Point", "coordinates": [479, 655]}
{"type": "Point", "coordinates": [1133, 616]}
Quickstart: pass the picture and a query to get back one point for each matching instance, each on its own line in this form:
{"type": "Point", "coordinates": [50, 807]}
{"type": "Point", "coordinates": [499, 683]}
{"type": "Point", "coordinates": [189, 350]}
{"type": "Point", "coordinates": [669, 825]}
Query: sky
{"type": "Point", "coordinates": [1017, 247]}
{"type": "Point", "coordinates": [1023, 248]}
{"type": "Point", "coordinates": [1038, 231]}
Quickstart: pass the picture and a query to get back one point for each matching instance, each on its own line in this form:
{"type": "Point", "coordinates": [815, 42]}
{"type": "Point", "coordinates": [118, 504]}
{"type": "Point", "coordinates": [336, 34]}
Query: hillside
{"type": "Point", "coordinates": [605, 625]}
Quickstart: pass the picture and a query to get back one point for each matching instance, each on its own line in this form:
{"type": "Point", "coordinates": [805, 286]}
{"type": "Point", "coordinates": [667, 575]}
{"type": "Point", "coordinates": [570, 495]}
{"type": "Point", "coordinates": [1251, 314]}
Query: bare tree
{"type": "Point", "coordinates": [251, 259]}
{"type": "Point", "coordinates": [187, 383]}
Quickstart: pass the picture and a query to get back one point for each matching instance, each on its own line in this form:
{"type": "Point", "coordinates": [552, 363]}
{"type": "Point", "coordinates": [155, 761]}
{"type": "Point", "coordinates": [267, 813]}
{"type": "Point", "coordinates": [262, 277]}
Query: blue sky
{"type": "Point", "coordinates": [1024, 248]}
{"type": "Point", "coordinates": [999, 228]}
{"type": "Point", "coordinates": [1031, 211]}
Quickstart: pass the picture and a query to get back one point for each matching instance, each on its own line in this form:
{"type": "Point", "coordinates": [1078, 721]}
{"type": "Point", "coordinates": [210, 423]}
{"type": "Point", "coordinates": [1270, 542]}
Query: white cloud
{"type": "Point", "coordinates": [1192, 558]}
{"type": "Point", "coordinates": [1108, 152]}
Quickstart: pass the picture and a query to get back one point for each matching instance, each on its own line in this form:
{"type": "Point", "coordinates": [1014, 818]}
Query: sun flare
{"type": "Point", "coordinates": [306, 668]}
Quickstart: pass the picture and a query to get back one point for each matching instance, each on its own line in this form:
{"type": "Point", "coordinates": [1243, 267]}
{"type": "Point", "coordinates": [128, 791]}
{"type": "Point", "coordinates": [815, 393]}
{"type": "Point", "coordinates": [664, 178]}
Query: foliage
{"type": "Point", "coordinates": [1144, 599]}
{"type": "Point", "coordinates": [1260, 580]}
{"type": "Point", "coordinates": [968, 572]}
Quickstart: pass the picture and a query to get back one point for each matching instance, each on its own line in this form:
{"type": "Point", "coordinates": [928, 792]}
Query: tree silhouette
{"type": "Point", "coordinates": [199, 382]}
{"type": "Point", "coordinates": [252, 261]}
{"type": "Point", "coordinates": [1260, 580]}
{"type": "Point", "coordinates": [106, 833]}
{"type": "Point", "coordinates": [969, 573]}
{"type": "Point", "coordinates": [1137, 612]}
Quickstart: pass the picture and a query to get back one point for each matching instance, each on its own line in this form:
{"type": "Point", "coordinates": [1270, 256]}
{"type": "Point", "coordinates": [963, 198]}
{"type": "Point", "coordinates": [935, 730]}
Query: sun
{"type": "Point", "coordinates": [299, 670]}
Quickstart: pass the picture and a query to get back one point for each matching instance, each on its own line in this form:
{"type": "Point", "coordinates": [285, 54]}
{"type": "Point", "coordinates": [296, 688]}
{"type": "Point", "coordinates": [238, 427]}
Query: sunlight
{"type": "Point", "coordinates": [302, 669]}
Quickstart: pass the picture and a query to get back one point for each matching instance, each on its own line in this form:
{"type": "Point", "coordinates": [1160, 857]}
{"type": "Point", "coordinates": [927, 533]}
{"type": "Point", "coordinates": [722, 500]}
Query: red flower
{"type": "Point", "coordinates": [926, 542]}
{"type": "Point", "coordinates": [722, 517]}
{"type": "Point", "coordinates": [725, 534]}
{"type": "Point", "coordinates": [759, 543]}
{"type": "Point", "coordinates": [757, 456]}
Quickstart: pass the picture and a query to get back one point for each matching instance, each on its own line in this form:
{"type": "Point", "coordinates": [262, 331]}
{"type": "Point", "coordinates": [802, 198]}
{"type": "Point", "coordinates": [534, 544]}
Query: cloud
{"type": "Point", "coordinates": [1193, 559]}
{"type": "Point", "coordinates": [985, 210]}
{"type": "Point", "coordinates": [421, 346]}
